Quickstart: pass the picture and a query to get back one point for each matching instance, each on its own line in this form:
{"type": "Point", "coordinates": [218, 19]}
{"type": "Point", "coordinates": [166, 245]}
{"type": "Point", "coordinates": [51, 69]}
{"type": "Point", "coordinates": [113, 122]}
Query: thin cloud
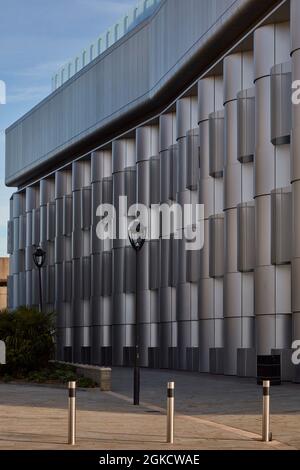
{"type": "Point", "coordinates": [26, 94]}
{"type": "Point", "coordinates": [41, 70]}
{"type": "Point", "coordinates": [108, 6]}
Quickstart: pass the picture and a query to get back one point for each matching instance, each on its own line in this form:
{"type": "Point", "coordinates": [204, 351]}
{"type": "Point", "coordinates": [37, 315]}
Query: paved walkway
{"type": "Point", "coordinates": [211, 413]}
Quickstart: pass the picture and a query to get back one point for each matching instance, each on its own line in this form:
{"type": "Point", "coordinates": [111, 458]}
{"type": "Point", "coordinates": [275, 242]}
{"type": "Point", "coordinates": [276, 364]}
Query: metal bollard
{"type": "Point", "coordinates": [266, 434]}
{"type": "Point", "coordinates": [72, 413]}
{"type": "Point", "coordinates": [170, 413]}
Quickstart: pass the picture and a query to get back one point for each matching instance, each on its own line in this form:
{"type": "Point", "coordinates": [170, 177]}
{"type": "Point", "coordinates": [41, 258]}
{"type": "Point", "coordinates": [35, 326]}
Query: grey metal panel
{"type": "Point", "coordinates": [143, 183]}
{"type": "Point", "coordinates": [16, 233]}
{"type": "Point", "coordinates": [67, 281]}
{"type": "Point", "coordinates": [167, 306]}
{"type": "Point", "coordinates": [154, 265]}
{"type": "Point", "coordinates": [59, 282]}
{"type": "Point", "coordinates": [246, 237]}
{"type": "Point", "coordinates": [76, 281]}
{"type": "Point", "coordinates": [264, 283]}
{"type": "Point", "coordinates": [166, 263]}
{"type": "Point", "coordinates": [181, 266]}
{"type": "Point", "coordinates": [216, 246]}
{"type": "Point", "coordinates": [183, 303]}
{"type": "Point", "coordinates": [143, 277]}
{"type": "Point", "coordinates": [101, 165]}
{"type": "Point", "coordinates": [118, 260]}
{"type": "Point", "coordinates": [10, 237]}
{"type": "Point", "coordinates": [144, 307]}
{"type": "Point", "coordinates": [281, 221]}
{"type": "Point", "coordinates": [174, 156]}
{"type": "Point", "coordinates": [238, 73]}
{"type": "Point", "coordinates": [28, 258]}
{"type": "Point", "coordinates": [232, 294]}
{"type": "Point", "coordinates": [193, 266]}
{"type": "Point", "coordinates": [47, 190]}
{"type": "Point", "coordinates": [271, 46]}
{"type": "Point", "coordinates": [85, 278]}
{"type": "Point", "coordinates": [295, 33]}
{"type": "Point", "coordinates": [295, 287]}
{"type": "Point", "coordinates": [36, 226]}
{"type": "Point", "coordinates": [106, 275]}
{"type": "Point", "coordinates": [264, 162]}
{"type": "Point", "coordinates": [130, 185]}
{"type": "Point", "coordinates": [216, 144]}
{"type": "Point", "coordinates": [263, 230]}
{"type": "Point", "coordinates": [193, 160]}
{"type": "Point", "coordinates": [63, 183]}
{"type": "Point", "coordinates": [50, 284]}
{"type": "Point", "coordinates": [81, 174]}
{"type": "Point", "coordinates": [155, 180]}
{"type": "Point", "coordinates": [51, 230]}
{"type": "Point", "coordinates": [146, 142]}
{"type": "Point", "coordinates": [167, 131]}
{"type": "Point", "coordinates": [96, 278]}
{"type": "Point", "coordinates": [76, 211]}
{"type": "Point", "coordinates": [86, 208]}
{"type": "Point", "coordinates": [166, 176]}
{"type": "Point", "coordinates": [186, 115]}
{"type": "Point", "coordinates": [210, 96]}
{"type": "Point", "coordinates": [32, 198]}
{"type": "Point", "coordinates": [246, 125]}
{"type": "Point", "coordinates": [18, 204]}
{"type": "Point", "coordinates": [22, 232]}
{"type": "Point", "coordinates": [129, 267]}
{"type": "Point", "coordinates": [232, 185]}
{"type": "Point", "coordinates": [281, 103]}
{"type": "Point", "coordinates": [181, 165]}
{"type": "Point", "coordinates": [59, 249]}
{"type": "Point", "coordinates": [246, 362]}
{"type": "Point", "coordinates": [123, 154]}
{"type": "Point", "coordinates": [59, 217]}
{"type": "Point", "coordinates": [67, 215]}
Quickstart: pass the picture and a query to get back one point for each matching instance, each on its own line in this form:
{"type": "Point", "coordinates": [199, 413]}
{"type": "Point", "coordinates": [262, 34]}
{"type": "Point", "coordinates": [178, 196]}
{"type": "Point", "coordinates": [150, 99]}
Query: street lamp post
{"type": "Point", "coordinates": [137, 237]}
{"type": "Point", "coordinates": [39, 257]}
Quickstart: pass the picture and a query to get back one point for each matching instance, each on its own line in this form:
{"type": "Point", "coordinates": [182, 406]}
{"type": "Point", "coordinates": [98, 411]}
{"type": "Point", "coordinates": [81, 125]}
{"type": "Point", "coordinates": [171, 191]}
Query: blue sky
{"type": "Point", "coordinates": [36, 38]}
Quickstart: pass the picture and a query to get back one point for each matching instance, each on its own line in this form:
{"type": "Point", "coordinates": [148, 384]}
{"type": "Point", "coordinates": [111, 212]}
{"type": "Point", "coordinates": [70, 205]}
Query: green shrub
{"type": "Point", "coordinates": [29, 338]}
{"type": "Point", "coordinates": [85, 382]}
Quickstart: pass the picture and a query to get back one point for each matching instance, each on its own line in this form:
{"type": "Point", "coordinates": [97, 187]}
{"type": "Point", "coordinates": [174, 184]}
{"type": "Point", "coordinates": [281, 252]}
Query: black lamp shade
{"type": "Point", "coordinates": [137, 234]}
{"type": "Point", "coordinates": [39, 257]}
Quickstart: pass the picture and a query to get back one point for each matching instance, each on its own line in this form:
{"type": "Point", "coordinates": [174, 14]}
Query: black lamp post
{"type": "Point", "coordinates": [39, 257]}
{"type": "Point", "coordinates": [137, 236]}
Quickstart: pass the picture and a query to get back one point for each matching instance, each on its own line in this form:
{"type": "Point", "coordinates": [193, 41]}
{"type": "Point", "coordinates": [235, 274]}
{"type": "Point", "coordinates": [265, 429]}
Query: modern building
{"type": "Point", "coordinates": [192, 104]}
